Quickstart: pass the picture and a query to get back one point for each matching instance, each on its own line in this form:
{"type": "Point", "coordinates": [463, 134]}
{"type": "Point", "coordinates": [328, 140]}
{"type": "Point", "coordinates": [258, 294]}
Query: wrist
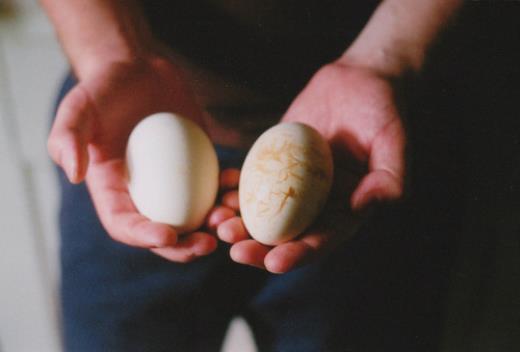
{"type": "Point", "coordinates": [104, 58]}
{"type": "Point", "coordinates": [390, 64]}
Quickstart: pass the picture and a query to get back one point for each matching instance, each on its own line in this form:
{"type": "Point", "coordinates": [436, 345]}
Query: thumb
{"type": "Point", "coordinates": [385, 180]}
{"type": "Point", "coordinates": [71, 133]}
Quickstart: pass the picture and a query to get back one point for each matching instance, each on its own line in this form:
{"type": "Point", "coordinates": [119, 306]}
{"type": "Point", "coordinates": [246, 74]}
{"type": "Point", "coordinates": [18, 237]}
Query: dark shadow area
{"type": "Point", "coordinates": [466, 176]}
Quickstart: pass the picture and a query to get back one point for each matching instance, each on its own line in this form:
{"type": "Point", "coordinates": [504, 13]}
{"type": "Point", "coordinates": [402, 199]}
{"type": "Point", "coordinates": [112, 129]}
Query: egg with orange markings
{"type": "Point", "coordinates": [285, 182]}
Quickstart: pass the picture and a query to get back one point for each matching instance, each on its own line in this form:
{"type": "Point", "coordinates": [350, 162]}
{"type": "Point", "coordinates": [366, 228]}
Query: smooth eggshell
{"type": "Point", "coordinates": [172, 171]}
{"type": "Point", "coordinates": [284, 183]}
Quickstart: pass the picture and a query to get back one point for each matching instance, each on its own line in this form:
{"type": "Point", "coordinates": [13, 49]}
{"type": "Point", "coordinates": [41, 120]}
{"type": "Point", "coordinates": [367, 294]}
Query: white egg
{"type": "Point", "coordinates": [173, 171]}
{"type": "Point", "coordinates": [285, 182]}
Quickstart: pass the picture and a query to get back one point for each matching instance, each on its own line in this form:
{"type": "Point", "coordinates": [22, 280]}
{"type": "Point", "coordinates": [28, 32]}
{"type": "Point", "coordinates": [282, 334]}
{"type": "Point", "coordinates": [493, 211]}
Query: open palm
{"type": "Point", "coordinates": [355, 110]}
{"type": "Point", "coordinates": [88, 141]}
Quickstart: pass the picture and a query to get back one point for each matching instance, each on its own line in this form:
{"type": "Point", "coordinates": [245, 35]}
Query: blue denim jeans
{"type": "Point", "coordinates": [364, 296]}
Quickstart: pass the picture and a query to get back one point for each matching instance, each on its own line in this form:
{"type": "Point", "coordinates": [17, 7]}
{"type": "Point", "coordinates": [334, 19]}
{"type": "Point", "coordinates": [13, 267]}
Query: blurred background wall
{"type": "Point", "coordinates": [31, 66]}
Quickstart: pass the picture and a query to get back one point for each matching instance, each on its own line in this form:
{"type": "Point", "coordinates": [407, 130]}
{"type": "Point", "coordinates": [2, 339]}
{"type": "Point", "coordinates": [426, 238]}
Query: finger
{"type": "Point", "coordinates": [290, 255]}
{"type": "Point", "coordinates": [218, 215]}
{"type": "Point", "coordinates": [229, 178]}
{"type": "Point", "coordinates": [136, 230]}
{"type": "Point", "coordinates": [377, 187]}
{"type": "Point", "coordinates": [189, 248]}
{"type": "Point", "coordinates": [249, 252]}
{"type": "Point", "coordinates": [71, 133]}
{"type": "Point", "coordinates": [106, 183]}
{"type": "Point", "coordinates": [230, 199]}
{"type": "Point", "coordinates": [232, 230]}
{"type": "Point", "coordinates": [385, 180]}
{"type": "Point", "coordinates": [326, 234]}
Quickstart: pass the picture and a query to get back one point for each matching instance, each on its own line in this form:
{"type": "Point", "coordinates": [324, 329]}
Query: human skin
{"type": "Point", "coordinates": [124, 75]}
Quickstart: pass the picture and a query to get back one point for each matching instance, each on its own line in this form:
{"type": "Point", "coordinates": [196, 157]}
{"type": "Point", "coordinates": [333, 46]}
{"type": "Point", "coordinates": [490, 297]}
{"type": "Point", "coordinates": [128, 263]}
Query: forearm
{"type": "Point", "coordinates": [94, 33]}
{"type": "Point", "coordinates": [399, 34]}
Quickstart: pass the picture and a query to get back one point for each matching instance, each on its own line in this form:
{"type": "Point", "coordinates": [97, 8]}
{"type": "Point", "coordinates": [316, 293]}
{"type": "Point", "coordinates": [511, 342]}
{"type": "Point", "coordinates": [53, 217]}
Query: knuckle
{"type": "Point", "coordinates": [75, 101]}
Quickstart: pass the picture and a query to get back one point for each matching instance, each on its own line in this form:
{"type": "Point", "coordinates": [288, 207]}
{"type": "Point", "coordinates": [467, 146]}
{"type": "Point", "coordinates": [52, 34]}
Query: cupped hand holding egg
{"type": "Point", "coordinates": [355, 110]}
{"type": "Point", "coordinates": [173, 178]}
{"type": "Point", "coordinates": [89, 137]}
{"type": "Point", "coordinates": [289, 211]}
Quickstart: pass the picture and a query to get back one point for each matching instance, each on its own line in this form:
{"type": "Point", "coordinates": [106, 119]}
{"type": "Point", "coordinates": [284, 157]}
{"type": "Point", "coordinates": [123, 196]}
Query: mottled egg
{"type": "Point", "coordinates": [285, 182]}
{"type": "Point", "coordinates": [172, 171]}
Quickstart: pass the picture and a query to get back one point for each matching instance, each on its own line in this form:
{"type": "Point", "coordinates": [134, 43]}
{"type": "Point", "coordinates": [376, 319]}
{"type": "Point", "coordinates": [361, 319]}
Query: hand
{"type": "Point", "coordinates": [355, 110]}
{"type": "Point", "coordinates": [89, 137]}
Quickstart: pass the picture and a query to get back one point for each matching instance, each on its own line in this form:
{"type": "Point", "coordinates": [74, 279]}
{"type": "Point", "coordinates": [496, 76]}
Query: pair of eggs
{"type": "Point", "coordinates": [284, 183]}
